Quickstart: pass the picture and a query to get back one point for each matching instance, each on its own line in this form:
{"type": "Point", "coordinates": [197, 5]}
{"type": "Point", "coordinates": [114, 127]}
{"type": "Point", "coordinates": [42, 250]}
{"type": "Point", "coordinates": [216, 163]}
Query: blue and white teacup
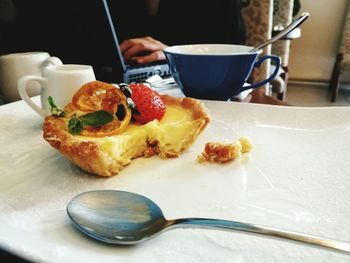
{"type": "Point", "coordinates": [215, 71]}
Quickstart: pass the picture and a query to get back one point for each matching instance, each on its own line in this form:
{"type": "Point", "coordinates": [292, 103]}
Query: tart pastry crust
{"type": "Point", "coordinates": [90, 154]}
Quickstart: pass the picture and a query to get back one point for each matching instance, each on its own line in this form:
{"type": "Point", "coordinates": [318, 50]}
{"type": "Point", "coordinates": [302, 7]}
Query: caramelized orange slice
{"type": "Point", "coordinates": [96, 96]}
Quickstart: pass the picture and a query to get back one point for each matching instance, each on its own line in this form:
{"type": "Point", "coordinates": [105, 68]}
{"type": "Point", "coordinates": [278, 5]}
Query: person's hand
{"type": "Point", "coordinates": [142, 50]}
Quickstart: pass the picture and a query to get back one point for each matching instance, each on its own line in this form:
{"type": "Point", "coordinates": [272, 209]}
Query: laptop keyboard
{"type": "Point", "coordinates": [140, 74]}
{"type": "Point", "coordinates": [139, 77]}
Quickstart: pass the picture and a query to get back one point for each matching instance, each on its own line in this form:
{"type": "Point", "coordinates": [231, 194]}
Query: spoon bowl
{"type": "Point", "coordinates": [125, 218]}
{"type": "Point", "coordinates": [116, 217]}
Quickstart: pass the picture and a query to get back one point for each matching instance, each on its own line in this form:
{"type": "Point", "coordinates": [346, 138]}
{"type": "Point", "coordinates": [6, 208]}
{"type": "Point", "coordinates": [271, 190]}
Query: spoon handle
{"type": "Point", "coordinates": [289, 28]}
{"type": "Point", "coordinates": [262, 230]}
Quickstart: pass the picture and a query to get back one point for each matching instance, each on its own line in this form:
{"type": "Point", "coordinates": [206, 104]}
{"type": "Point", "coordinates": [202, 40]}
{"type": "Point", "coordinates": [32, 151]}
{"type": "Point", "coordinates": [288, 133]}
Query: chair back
{"type": "Point", "coordinates": [257, 17]}
{"type": "Point", "coordinates": [282, 17]}
{"type": "Point", "coordinates": [344, 46]}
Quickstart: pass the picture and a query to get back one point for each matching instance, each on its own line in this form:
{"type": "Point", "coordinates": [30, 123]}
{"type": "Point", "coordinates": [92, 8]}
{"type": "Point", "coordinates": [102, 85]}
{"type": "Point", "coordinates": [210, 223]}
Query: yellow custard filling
{"type": "Point", "coordinates": [169, 135]}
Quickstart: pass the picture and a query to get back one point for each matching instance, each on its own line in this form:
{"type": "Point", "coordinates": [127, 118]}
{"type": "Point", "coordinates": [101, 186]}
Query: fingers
{"type": "Point", "coordinates": [154, 56]}
{"type": "Point", "coordinates": [126, 44]}
{"type": "Point", "coordinates": [134, 50]}
{"type": "Point", "coordinates": [142, 50]}
{"type": "Point", "coordinates": [143, 42]}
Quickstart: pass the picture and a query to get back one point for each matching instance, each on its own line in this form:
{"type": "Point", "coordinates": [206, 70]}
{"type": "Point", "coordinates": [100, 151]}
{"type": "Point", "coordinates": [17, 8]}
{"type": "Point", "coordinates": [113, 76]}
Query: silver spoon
{"type": "Point", "coordinates": [126, 218]}
{"type": "Point", "coordinates": [284, 32]}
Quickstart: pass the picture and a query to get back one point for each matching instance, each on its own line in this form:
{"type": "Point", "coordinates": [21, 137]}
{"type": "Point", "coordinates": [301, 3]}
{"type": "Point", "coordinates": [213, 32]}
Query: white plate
{"type": "Point", "coordinates": [296, 178]}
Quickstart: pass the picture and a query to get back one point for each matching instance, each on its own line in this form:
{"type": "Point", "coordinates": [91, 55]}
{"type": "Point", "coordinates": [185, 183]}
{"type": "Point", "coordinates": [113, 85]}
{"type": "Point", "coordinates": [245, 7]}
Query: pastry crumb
{"type": "Point", "coordinates": [224, 152]}
{"type": "Point", "coordinates": [246, 144]}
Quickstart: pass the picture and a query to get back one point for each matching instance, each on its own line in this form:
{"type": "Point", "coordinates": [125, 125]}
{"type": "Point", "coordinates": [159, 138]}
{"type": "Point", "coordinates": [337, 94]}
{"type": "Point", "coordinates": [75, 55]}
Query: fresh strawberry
{"type": "Point", "coordinates": [148, 103]}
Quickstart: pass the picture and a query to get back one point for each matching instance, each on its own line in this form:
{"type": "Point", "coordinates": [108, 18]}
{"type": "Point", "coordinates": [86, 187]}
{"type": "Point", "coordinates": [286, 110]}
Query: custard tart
{"type": "Point", "coordinates": [105, 149]}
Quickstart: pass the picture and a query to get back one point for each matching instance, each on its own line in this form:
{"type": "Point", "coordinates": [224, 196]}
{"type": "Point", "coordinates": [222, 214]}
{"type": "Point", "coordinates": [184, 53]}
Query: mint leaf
{"type": "Point", "coordinates": [55, 110]}
{"type": "Point", "coordinates": [96, 119]}
{"type": "Point", "coordinates": [75, 125]}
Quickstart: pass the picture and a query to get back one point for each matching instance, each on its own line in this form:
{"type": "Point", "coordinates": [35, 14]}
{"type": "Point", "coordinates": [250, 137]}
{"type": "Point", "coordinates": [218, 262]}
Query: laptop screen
{"type": "Point", "coordinates": [113, 33]}
{"type": "Point", "coordinates": [80, 34]}
{"type": "Point", "coordinates": [134, 73]}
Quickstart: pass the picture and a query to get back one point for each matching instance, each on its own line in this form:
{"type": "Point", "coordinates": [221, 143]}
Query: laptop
{"type": "Point", "coordinates": [133, 73]}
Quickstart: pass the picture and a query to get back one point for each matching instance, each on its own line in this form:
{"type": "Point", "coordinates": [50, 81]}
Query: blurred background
{"type": "Point", "coordinates": [311, 59]}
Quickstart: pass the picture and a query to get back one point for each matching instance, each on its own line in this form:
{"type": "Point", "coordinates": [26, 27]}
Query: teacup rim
{"type": "Point", "coordinates": [175, 50]}
{"type": "Point", "coordinates": [70, 67]}
{"type": "Point", "coordinates": [24, 53]}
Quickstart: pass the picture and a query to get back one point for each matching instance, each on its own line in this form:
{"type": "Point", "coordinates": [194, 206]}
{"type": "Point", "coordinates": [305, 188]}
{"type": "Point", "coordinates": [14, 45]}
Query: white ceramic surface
{"type": "Point", "coordinates": [210, 49]}
{"type": "Point", "coordinates": [296, 178]}
{"type": "Point", "coordinates": [60, 82]}
{"type": "Point", "coordinates": [16, 65]}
